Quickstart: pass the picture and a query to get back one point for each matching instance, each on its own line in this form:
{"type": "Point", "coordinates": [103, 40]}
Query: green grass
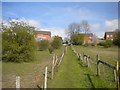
{"type": "Point", "coordinates": [108, 55]}
{"type": "Point", "coordinates": [27, 71]}
{"type": "Point", "coordinates": [74, 74]}
{"type": "Point", "coordinates": [71, 74]}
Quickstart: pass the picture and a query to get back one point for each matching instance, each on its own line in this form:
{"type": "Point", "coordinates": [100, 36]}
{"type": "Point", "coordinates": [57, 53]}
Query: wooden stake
{"type": "Point", "coordinates": [45, 82]}
{"type": "Point", "coordinates": [117, 72]}
{"type": "Point", "coordinates": [56, 60]}
{"type": "Point", "coordinates": [80, 57]}
{"type": "Point", "coordinates": [115, 75]}
{"type": "Point", "coordinates": [53, 66]}
{"type": "Point", "coordinates": [97, 65]}
{"type": "Point", "coordinates": [61, 59]}
{"type": "Point", "coordinates": [87, 62]}
{"type": "Point", "coordinates": [17, 82]}
{"type": "Point", "coordinates": [83, 58]}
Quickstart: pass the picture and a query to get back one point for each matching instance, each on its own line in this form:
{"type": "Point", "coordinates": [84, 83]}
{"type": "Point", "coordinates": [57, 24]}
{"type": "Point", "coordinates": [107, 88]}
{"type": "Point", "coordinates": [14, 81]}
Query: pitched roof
{"type": "Point", "coordinates": [87, 38]}
{"type": "Point", "coordinates": [88, 34]}
{"type": "Point", "coordinates": [110, 33]}
{"type": "Point", "coordinates": [43, 32]}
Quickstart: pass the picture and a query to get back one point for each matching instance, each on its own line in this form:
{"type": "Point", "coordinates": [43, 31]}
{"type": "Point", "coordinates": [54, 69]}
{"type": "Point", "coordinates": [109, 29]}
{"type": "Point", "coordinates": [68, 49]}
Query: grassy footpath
{"type": "Point", "coordinates": [74, 74]}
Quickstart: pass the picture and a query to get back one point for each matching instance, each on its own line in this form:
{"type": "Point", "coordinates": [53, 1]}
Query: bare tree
{"type": "Point", "coordinates": [85, 26]}
{"type": "Point", "coordinates": [73, 28]}
{"type": "Point", "coordinates": [76, 28]}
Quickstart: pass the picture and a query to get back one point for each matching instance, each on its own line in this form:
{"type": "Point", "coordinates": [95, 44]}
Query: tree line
{"type": "Point", "coordinates": [76, 37]}
{"type": "Point", "coordinates": [18, 43]}
{"type": "Point", "coordinates": [51, 45]}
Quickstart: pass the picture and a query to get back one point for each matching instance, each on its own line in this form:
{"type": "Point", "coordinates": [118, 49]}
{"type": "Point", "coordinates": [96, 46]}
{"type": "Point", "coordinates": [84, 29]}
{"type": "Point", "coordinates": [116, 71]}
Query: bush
{"type": "Point", "coordinates": [43, 45]}
{"type": "Point", "coordinates": [17, 42]}
{"type": "Point", "coordinates": [77, 39]}
{"type": "Point", "coordinates": [57, 42]}
{"type": "Point", "coordinates": [102, 43]}
{"type": "Point", "coordinates": [106, 44]}
{"type": "Point", "coordinates": [51, 49]}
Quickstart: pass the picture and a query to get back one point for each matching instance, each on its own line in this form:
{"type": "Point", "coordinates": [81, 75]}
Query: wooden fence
{"type": "Point", "coordinates": [48, 71]}
{"type": "Point", "coordinates": [86, 59]}
{"type": "Point", "coordinates": [55, 65]}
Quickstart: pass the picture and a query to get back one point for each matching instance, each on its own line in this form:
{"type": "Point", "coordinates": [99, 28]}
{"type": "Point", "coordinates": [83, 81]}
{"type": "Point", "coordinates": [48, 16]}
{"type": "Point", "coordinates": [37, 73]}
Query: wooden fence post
{"type": "Point", "coordinates": [53, 66]}
{"type": "Point", "coordinates": [56, 60]}
{"type": "Point", "coordinates": [61, 58]}
{"type": "Point", "coordinates": [115, 75]}
{"type": "Point", "coordinates": [98, 65]}
{"type": "Point", "coordinates": [45, 82]}
{"type": "Point", "coordinates": [83, 58]}
{"type": "Point", "coordinates": [80, 57]}
{"type": "Point", "coordinates": [88, 61]}
{"type": "Point", "coordinates": [17, 82]}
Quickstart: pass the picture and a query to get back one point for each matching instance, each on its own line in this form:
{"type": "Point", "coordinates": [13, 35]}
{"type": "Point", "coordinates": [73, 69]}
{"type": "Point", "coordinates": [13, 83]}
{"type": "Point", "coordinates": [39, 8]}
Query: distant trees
{"type": "Point", "coordinates": [74, 30]}
{"type": "Point", "coordinates": [106, 44]}
{"type": "Point", "coordinates": [17, 42]}
{"type": "Point", "coordinates": [43, 45]}
{"type": "Point", "coordinates": [57, 42]}
{"type": "Point", "coordinates": [85, 26]}
{"type": "Point", "coordinates": [77, 39]}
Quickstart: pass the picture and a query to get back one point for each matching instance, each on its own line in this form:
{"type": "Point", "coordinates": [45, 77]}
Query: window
{"type": "Point", "coordinates": [107, 35]}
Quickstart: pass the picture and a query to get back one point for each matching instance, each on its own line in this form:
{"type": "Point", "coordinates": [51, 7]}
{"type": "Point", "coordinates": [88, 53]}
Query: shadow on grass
{"type": "Point", "coordinates": [90, 80]}
{"type": "Point", "coordinates": [81, 64]}
{"type": "Point", "coordinates": [88, 75]}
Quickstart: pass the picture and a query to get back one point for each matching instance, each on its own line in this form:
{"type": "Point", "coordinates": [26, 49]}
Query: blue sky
{"type": "Point", "coordinates": [56, 16]}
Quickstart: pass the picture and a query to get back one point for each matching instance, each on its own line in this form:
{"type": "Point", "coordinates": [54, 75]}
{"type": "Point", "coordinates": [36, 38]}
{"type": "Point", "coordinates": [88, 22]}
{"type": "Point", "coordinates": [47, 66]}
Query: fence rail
{"type": "Point", "coordinates": [109, 65]}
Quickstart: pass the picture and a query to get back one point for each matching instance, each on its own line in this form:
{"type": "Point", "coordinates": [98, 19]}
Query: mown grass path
{"type": "Point", "coordinates": [74, 74]}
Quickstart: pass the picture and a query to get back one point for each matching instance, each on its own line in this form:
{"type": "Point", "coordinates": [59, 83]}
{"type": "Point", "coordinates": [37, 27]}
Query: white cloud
{"type": "Point", "coordinates": [80, 12]}
{"type": "Point", "coordinates": [34, 23]}
{"type": "Point", "coordinates": [11, 13]}
{"type": "Point", "coordinates": [30, 22]}
{"type": "Point", "coordinates": [100, 34]}
{"type": "Point", "coordinates": [95, 27]}
{"type": "Point", "coordinates": [56, 31]}
{"type": "Point", "coordinates": [111, 25]}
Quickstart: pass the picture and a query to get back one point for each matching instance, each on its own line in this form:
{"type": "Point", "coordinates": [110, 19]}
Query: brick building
{"type": "Point", "coordinates": [109, 35]}
{"type": "Point", "coordinates": [41, 35]}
